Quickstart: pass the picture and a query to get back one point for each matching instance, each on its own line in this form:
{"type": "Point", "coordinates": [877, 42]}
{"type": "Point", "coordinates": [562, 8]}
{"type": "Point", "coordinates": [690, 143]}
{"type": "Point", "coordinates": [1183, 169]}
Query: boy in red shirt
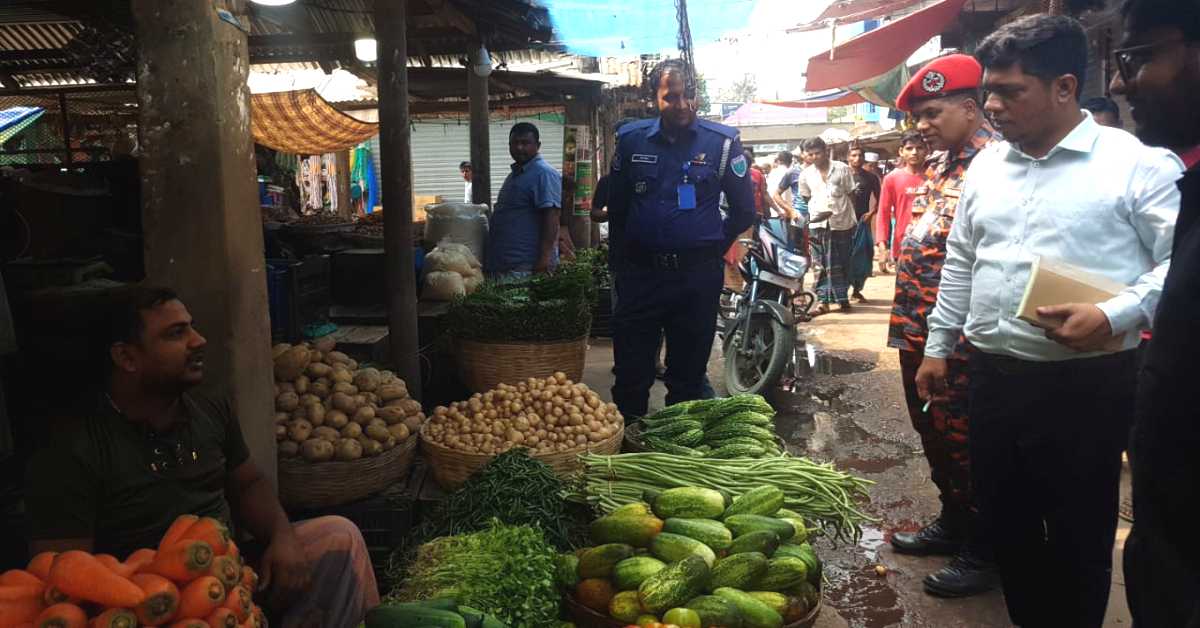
{"type": "Point", "coordinates": [900, 187]}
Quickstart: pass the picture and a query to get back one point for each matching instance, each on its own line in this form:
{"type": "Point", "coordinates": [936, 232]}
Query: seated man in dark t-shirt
{"type": "Point", "coordinates": [144, 450]}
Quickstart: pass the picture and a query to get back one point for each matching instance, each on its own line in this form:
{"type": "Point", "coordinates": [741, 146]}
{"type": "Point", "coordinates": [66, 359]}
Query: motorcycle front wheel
{"type": "Point", "coordinates": [755, 363]}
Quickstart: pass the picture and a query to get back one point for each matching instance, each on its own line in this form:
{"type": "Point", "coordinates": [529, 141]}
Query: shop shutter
{"type": "Point", "coordinates": [438, 147]}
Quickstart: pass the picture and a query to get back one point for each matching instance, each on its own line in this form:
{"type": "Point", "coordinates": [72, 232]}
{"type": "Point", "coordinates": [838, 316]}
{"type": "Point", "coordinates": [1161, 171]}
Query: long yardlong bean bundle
{"type": "Point", "coordinates": [818, 491]}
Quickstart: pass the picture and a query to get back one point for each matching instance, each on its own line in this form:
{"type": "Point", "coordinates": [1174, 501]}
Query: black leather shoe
{"type": "Point", "coordinates": [965, 575]}
{"type": "Point", "coordinates": [935, 538]}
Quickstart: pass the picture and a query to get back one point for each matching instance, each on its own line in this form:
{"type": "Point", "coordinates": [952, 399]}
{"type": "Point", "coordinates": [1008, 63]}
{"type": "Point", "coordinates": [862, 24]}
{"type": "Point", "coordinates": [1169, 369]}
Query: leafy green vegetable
{"type": "Point", "coordinates": [543, 308]}
{"type": "Point", "coordinates": [506, 571]}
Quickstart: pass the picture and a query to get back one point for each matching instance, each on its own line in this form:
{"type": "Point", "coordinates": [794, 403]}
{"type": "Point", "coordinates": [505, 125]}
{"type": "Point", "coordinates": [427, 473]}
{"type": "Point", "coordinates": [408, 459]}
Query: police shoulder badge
{"type": "Point", "coordinates": [933, 81]}
{"type": "Point", "coordinates": [739, 165]}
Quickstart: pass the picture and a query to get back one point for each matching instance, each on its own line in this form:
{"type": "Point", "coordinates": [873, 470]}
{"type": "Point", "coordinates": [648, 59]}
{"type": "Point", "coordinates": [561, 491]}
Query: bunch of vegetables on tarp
{"type": "Point", "coordinates": [504, 571]}
{"type": "Point", "coordinates": [543, 308]}
{"type": "Point", "coordinates": [693, 557]}
{"type": "Point", "coordinates": [194, 579]}
{"type": "Point", "coordinates": [735, 439]}
{"type": "Point", "coordinates": [742, 426]}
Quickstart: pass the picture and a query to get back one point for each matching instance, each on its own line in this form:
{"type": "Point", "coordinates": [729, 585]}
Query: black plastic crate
{"type": "Point", "coordinates": [297, 295]}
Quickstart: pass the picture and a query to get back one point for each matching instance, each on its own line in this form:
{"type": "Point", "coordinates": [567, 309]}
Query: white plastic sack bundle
{"type": "Point", "coordinates": [462, 249]}
{"type": "Point", "coordinates": [443, 286]}
{"type": "Point", "coordinates": [443, 259]}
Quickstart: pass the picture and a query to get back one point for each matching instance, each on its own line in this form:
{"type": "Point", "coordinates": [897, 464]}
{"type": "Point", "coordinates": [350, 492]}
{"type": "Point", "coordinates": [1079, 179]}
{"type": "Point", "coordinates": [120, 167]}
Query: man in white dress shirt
{"type": "Point", "coordinates": [1051, 408]}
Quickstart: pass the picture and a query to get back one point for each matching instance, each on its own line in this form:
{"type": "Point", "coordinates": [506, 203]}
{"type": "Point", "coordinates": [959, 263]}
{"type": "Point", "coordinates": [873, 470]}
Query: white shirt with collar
{"type": "Point", "coordinates": [831, 192]}
{"type": "Point", "coordinates": [1100, 200]}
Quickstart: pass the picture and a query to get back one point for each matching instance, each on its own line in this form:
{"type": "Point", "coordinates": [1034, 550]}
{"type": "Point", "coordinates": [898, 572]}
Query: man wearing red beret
{"type": "Point", "coordinates": [944, 102]}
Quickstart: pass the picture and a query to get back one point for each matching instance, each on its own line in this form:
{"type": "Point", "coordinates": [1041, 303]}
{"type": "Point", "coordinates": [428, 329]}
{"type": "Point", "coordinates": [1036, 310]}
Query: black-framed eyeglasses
{"type": "Point", "coordinates": [1131, 58]}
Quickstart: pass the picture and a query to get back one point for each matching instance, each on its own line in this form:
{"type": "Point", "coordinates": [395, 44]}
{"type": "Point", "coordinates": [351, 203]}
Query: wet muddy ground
{"type": "Point", "coordinates": [850, 410]}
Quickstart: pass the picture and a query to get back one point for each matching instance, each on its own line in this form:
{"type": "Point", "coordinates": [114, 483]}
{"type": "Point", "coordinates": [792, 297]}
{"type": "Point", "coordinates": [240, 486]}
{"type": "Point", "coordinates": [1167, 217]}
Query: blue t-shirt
{"type": "Point", "coordinates": [514, 238]}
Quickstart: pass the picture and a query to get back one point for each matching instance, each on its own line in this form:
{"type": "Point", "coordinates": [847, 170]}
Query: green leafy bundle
{"type": "Point", "coordinates": [506, 571]}
{"type": "Point", "coordinates": [543, 308]}
{"type": "Point", "coordinates": [514, 489]}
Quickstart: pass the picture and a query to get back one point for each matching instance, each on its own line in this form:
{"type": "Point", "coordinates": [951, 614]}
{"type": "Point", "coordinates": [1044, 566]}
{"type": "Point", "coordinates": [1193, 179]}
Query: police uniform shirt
{"type": "Point", "coordinates": [648, 170]}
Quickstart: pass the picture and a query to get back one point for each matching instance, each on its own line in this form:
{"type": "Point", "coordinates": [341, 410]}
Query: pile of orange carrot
{"type": "Point", "coordinates": [194, 579]}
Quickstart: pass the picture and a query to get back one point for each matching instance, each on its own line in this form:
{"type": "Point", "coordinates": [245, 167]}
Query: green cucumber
{"type": "Point", "coordinates": [630, 573]}
{"type": "Point", "coordinates": [412, 615]}
{"type": "Point", "coordinates": [566, 571]}
{"type": "Point", "coordinates": [782, 574]}
{"type": "Point", "coordinates": [625, 607]}
{"type": "Point", "coordinates": [636, 508]}
{"type": "Point", "coordinates": [715, 611]}
{"type": "Point", "coordinates": [762, 500]}
{"type": "Point", "coordinates": [762, 541]}
{"type": "Point", "coordinates": [711, 533]}
{"type": "Point", "coordinates": [674, 547]}
{"type": "Point", "coordinates": [629, 529]}
{"type": "Point", "coordinates": [739, 571]}
{"type": "Point", "coordinates": [674, 585]}
{"type": "Point", "coordinates": [777, 601]}
{"type": "Point", "coordinates": [689, 501]}
{"type": "Point", "coordinates": [754, 613]}
{"type": "Point", "coordinates": [742, 524]}
{"type": "Point", "coordinates": [598, 562]}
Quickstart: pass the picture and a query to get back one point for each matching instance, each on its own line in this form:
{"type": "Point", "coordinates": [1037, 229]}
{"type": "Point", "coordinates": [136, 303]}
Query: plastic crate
{"type": "Point", "coordinates": [297, 295]}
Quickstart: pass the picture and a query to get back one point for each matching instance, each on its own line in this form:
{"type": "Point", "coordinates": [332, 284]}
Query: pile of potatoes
{"type": "Point", "coordinates": [326, 408]}
{"type": "Point", "coordinates": [547, 415]}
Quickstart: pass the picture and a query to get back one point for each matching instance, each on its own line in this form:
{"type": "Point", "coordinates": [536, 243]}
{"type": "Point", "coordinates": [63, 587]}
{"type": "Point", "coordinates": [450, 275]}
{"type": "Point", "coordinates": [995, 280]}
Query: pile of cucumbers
{"type": "Point", "coordinates": [693, 557]}
{"type": "Point", "coordinates": [443, 613]}
{"type": "Point", "coordinates": [741, 426]}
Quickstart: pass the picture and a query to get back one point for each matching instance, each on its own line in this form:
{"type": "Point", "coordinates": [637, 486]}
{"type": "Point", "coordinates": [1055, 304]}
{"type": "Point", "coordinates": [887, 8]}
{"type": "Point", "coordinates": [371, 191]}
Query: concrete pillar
{"type": "Point", "coordinates": [395, 176]}
{"type": "Point", "coordinates": [203, 233]}
{"type": "Point", "coordinates": [481, 163]}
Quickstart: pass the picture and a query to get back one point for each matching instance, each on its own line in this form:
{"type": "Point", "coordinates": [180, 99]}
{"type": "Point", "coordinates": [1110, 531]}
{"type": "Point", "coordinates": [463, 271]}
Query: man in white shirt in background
{"type": "Point", "coordinates": [1050, 408]}
{"type": "Point", "coordinates": [829, 187]}
{"type": "Point", "coordinates": [464, 168]}
{"type": "Point", "coordinates": [781, 198]}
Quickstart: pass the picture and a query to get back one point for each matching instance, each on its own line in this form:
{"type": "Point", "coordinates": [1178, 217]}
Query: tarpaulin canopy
{"type": "Point", "coordinates": [768, 114]}
{"type": "Point", "coordinates": [15, 119]}
{"type": "Point", "coordinates": [827, 98]}
{"type": "Point", "coordinates": [303, 123]}
{"type": "Point", "coordinates": [846, 11]}
{"type": "Point", "coordinates": [867, 57]}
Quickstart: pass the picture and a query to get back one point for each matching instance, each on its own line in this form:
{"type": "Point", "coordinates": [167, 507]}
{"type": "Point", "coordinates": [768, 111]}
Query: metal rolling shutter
{"type": "Point", "coordinates": [438, 147]}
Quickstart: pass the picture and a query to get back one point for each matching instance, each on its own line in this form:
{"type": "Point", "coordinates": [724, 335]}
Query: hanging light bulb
{"type": "Point", "coordinates": [273, 3]}
{"type": "Point", "coordinates": [366, 49]}
{"type": "Point", "coordinates": [483, 63]}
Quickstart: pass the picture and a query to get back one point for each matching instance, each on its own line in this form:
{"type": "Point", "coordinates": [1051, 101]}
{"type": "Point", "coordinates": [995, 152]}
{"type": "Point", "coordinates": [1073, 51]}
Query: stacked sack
{"type": "Point", "coordinates": [451, 271]}
{"type": "Point", "coordinates": [327, 408]}
{"type": "Point", "coordinates": [194, 579]}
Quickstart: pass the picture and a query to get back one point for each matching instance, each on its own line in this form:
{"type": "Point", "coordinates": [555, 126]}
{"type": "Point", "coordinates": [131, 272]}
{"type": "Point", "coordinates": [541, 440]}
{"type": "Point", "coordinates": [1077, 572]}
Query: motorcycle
{"type": "Point", "coordinates": [758, 328]}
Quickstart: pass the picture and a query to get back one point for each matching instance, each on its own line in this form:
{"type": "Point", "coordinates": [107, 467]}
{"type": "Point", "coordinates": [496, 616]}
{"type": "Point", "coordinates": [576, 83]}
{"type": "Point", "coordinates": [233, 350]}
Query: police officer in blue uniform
{"type": "Point", "coordinates": [668, 174]}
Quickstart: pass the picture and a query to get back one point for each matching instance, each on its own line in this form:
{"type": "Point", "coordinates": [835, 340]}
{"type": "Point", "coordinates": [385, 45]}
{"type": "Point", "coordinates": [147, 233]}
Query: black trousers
{"type": "Point", "coordinates": [678, 304]}
{"type": "Point", "coordinates": [1045, 445]}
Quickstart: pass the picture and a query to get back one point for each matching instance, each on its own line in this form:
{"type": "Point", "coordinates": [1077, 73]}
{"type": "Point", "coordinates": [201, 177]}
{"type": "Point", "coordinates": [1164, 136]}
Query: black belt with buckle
{"type": "Point", "coordinates": [673, 260]}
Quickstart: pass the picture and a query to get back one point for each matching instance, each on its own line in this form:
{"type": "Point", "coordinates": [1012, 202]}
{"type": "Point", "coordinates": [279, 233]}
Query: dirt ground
{"type": "Point", "coordinates": [851, 411]}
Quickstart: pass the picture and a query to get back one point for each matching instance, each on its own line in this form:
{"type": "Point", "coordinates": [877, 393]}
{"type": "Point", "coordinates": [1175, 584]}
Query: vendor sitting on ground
{"type": "Point", "coordinates": [143, 450]}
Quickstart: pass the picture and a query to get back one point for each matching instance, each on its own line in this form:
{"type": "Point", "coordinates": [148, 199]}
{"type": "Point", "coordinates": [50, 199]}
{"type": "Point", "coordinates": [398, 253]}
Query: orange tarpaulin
{"type": "Point", "coordinates": [877, 52]}
{"type": "Point", "coordinates": [303, 123]}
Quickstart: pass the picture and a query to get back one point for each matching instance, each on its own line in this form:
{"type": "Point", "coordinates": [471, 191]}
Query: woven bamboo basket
{"type": "Point", "coordinates": [452, 467]}
{"type": "Point", "coordinates": [584, 617]}
{"type": "Point", "coordinates": [484, 365]}
{"type": "Point", "coordinates": [304, 484]}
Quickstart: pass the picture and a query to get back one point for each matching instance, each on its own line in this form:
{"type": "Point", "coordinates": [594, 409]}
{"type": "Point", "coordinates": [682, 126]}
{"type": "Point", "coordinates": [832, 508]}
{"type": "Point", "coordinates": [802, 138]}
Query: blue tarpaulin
{"type": "Point", "coordinates": [16, 119]}
{"type": "Point", "coordinates": [614, 28]}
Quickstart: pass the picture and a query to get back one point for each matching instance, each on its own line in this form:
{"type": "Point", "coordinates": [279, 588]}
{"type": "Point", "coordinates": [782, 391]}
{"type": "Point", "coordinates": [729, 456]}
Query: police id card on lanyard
{"type": "Point", "coordinates": [686, 191]}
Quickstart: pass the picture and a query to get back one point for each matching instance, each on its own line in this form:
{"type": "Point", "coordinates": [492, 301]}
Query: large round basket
{"type": "Point", "coordinates": [304, 484]}
{"type": "Point", "coordinates": [452, 467]}
{"type": "Point", "coordinates": [584, 617]}
{"type": "Point", "coordinates": [483, 365]}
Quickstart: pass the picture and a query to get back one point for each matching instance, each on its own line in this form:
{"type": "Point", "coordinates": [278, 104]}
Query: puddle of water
{"type": "Point", "coordinates": [874, 466]}
{"type": "Point", "coordinates": [863, 598]}
{"type": "Point", "coordinates": [823, 363]}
